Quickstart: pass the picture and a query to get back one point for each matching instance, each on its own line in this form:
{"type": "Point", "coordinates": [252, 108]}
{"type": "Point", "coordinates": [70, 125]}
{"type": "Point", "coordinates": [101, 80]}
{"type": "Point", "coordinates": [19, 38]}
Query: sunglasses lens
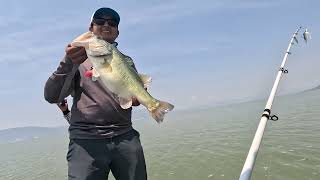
{"type": "Point", "coordinates": [102, 22]}
{"type": "Point", "coordinates": [99, 22]}
{"type": "Point", "coordinates": [112, 23]}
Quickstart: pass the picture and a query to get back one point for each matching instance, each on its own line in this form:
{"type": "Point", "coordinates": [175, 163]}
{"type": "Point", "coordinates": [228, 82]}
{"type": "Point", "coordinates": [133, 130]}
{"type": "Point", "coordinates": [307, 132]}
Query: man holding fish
{"type": "Point", "coordinates": [105, 85]}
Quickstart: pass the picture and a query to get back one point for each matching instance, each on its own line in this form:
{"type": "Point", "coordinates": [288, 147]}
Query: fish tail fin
{"type": "Point", "coordinates": [159, 112]}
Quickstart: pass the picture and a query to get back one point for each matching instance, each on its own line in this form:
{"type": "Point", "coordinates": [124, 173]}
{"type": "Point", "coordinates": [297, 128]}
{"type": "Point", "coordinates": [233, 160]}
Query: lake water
{"type": "Point", "coordinates": [199, 144]}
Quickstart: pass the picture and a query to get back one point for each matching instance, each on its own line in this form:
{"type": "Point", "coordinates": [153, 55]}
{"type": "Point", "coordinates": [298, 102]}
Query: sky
{"type": "Point", "coordinates": [199, 53]}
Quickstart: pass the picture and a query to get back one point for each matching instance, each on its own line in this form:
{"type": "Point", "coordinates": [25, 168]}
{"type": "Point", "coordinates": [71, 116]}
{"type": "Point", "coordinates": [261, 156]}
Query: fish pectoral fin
{"type": "Point", "coordinates": [125, 103]}
{"type": "Point", "coordinates": [107, 66]}
{"type": "Point", "coordinates": [146, 80]}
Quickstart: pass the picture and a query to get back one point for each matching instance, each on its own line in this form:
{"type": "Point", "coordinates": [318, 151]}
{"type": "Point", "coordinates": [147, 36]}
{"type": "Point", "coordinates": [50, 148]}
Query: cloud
{"type": "Point", "coordinates": [35, 43]}
{"type": "Point", "coordinates": [172, 10]}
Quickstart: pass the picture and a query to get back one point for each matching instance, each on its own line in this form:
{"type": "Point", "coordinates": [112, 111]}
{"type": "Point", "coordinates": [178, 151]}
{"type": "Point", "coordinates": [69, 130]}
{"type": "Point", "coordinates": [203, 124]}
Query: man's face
{"type": "Point", "coordinates": [105, 28]}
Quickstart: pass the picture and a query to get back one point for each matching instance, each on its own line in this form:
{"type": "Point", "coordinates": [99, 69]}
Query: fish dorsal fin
{"type": "Point", "coordinates": [125, 103]}
{"type": "Point", "coordinates": [146, 80]}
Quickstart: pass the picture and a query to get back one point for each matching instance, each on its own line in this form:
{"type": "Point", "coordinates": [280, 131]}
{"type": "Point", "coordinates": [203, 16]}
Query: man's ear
{"type": "Point", "coordinates": [91, 27]}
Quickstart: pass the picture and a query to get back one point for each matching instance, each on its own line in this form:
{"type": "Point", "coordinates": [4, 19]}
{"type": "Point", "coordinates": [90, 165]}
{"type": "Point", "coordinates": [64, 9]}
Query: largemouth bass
{"type": "Point", "coordinates": [117, 75]}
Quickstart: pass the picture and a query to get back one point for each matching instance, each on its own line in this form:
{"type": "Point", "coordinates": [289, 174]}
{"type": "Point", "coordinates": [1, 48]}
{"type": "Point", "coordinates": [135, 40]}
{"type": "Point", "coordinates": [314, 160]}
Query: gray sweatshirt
{"type": "Point", "coordinates": [96, 113]}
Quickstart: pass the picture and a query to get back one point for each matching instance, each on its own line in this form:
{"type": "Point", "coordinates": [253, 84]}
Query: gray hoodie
{"type": "Point", "coordinates": [96, 114]}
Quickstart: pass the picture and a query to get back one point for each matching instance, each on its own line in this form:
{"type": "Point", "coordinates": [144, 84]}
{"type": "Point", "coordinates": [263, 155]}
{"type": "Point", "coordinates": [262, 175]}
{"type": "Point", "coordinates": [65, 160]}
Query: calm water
{"type": "Point", "coordinates": [199, 144]}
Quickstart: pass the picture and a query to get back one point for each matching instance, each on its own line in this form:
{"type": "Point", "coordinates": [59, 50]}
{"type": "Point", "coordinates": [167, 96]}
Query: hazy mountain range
{"type": "Point", "coordinates": [26, 133]}
{"type": "Point", "coordinates": [312, 89]}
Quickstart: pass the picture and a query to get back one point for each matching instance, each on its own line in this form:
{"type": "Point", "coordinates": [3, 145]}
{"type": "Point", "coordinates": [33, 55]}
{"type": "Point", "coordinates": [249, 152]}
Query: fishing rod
{"type": "Point", "coordinates": [266, 115]}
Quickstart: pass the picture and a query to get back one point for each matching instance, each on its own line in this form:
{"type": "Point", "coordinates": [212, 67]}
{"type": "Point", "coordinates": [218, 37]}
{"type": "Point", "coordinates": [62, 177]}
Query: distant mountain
{"type": "Point", "coordinates": [312, 89]}
{"type": "Point", "coordinates": [26, 133]}
{"type": "Point", "coordinates": [318, 87]}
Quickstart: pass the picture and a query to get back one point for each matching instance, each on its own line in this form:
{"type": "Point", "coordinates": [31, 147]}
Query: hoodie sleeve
{"type": "Point", "coordinates": [60, 84]}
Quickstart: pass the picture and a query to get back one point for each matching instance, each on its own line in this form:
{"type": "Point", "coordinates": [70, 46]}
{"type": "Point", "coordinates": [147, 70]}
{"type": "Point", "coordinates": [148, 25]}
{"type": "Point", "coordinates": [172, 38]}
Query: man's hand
{"type": "Point", "coordinates": [77, 54]}
{"type": "Point", "coordinates": [63, 105]}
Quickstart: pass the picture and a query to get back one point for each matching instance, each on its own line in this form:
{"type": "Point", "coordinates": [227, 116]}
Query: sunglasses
{"type": "Point", "coordinates": [101, 22]}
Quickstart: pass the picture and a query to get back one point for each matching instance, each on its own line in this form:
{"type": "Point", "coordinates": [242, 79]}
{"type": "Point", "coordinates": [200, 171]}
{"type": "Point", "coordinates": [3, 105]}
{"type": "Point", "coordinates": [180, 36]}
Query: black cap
{"type": "Point", "coordinates": [102, 12]}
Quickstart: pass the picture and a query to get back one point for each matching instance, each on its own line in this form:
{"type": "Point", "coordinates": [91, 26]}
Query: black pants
{"type": "Point", "coordinates": [93, 159]}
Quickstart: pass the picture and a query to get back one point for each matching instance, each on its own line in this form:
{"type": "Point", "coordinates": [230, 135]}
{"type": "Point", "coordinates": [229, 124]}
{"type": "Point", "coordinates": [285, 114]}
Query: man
{"type": "Point", "coordinates": [101, 133]}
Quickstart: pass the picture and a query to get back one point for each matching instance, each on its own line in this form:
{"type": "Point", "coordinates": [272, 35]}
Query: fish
{"type": "Point", "coordinates": [116, 73]}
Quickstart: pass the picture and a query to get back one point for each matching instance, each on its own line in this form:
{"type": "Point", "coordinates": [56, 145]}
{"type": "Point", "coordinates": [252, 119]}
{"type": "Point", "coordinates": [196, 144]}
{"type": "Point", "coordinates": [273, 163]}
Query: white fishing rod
{"type": "Point", "coordinates": [251, 157]}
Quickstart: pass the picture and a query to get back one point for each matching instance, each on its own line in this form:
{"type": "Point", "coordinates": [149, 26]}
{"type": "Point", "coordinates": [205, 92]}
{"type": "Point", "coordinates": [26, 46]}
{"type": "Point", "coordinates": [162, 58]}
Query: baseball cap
{"type": "Point", "coordinates": [102, 12]}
